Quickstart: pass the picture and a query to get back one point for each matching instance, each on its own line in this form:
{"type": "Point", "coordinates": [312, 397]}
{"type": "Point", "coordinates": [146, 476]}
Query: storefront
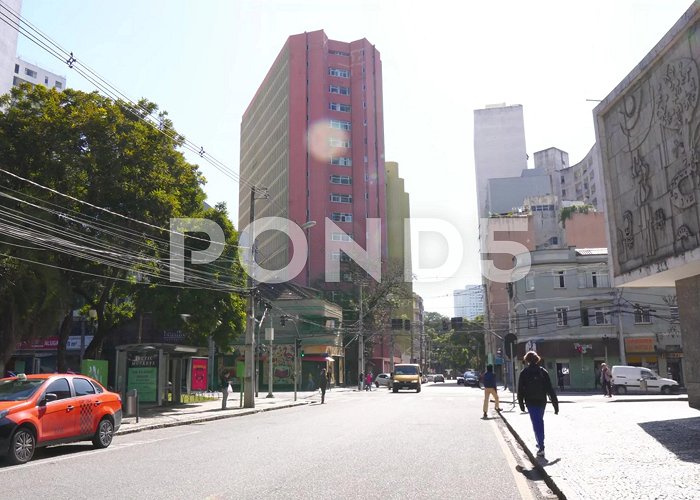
{"type": "Point", "coordinates": [640, 351]}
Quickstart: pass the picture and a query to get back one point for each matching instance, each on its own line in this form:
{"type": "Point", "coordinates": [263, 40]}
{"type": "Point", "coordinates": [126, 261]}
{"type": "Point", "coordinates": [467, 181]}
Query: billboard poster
{"type": "Point", "coordinates": [95, 368]}
{"type": "Point", "coordinates": [199, 374]}
{"type": "Point", "coordinates": [142, 375]}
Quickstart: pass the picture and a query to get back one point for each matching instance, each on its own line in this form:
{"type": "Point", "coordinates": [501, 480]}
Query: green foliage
{"type": "Point", "coordinates": [99, 151]}
{"type": "Point", "coordinates": [566, 212]}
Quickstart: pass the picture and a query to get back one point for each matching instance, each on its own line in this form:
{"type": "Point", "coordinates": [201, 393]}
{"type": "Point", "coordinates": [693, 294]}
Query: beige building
{"type": "Point", "coordinates": [648, 132]}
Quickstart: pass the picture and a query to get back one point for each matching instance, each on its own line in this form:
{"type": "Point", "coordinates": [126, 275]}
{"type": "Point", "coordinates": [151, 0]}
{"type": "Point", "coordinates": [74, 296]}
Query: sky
{"type": "Point", "coordinates": [202, 62]}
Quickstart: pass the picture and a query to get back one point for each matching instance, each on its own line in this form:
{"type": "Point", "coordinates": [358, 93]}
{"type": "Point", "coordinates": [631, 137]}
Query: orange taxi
{"type": "Point", "coordinates": [49, 409]}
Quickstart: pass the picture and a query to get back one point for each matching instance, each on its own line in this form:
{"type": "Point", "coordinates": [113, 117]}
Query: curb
{"type": "Point", "coordinates": [208, 418]}
{"type": "Point", "coordinates": [547, 478]}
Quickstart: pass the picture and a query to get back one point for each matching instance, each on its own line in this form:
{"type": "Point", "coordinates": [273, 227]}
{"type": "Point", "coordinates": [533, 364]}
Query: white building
{"type": "Point", "coordinates": [469, 302]}
{"type": "Point", "coordinates": [499, 147]}
{"type": "Point", "coordinates": [8, 44]}
{"type": "Point", "coordinates": [25, 72]}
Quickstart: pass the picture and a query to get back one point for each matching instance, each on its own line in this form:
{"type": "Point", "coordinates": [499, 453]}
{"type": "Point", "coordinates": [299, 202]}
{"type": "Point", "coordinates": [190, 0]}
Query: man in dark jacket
{"type": "Point", "coordinates": [534, 386]}
{"type": "Point", "coordinates": [323, 384]}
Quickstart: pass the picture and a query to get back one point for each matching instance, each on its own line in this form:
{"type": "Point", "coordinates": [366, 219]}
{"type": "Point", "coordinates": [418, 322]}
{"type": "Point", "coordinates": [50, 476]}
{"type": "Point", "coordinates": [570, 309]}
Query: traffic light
{"type": "Point", "coordinates": [301, 353]}
{"type": "Point", "coordinates": [298, 342]}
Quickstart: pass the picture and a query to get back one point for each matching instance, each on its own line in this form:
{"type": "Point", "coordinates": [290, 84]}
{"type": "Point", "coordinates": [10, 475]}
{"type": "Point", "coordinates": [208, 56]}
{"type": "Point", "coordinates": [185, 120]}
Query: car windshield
{"type": "Point", "coordinates": [406, 370]}
{"type": "Point", "coordinates": [17, 390]}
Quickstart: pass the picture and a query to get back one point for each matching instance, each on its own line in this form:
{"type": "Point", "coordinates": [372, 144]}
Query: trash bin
{"type": "Point", "coordinates": [132, 404]}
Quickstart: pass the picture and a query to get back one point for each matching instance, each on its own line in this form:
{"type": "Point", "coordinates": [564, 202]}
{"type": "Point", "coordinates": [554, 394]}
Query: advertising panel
{"type": "Point", "coordinates": [95, 368]}
{"type": "Point", "coordinates": [199, 374]}
{"type": "Point", "coordinates": [142, 375]}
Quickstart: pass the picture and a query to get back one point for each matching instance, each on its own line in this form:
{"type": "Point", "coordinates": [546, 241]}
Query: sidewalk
{"type": "Point", "coordinates": [607, 448]}
{"type": "Point", "coordinates": [156, 417]}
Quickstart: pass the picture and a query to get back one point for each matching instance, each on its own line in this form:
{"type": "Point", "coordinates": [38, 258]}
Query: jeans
{"type": "Point", "coordinates": [537, 419]}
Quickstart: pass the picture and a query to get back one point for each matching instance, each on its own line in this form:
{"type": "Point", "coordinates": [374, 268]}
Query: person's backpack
{"type": "Point", "coordinates": [535, 385]}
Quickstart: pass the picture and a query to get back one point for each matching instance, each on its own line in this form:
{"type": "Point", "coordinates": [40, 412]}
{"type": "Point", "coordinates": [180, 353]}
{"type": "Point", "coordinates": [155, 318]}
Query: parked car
{"type": "Point", "coordinates": [439, 377]}
{"type": "Point", "coordinates": [48, 409]}
{"type": "Point", "coordinates": [460, 380]}
{"type": "Point", "coordinates": [471, 378]}
{"type": "Point", "coordinates": [383, 380]}
{"type": "Point", "coordinates": [638, 379]}
{"type": "Point", "coordinates": [431, 377]}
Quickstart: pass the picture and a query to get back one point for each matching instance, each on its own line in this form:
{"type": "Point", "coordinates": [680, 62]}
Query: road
{"type": "Point", "coordinates": [358, 445]}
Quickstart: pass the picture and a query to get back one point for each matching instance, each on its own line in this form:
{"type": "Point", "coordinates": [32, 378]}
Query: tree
{"type": "Point", "coordinates": [88, 151]}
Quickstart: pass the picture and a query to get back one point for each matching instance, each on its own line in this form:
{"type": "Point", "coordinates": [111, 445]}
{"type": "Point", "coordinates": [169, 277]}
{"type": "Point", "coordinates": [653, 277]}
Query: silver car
{"type": "Point", "coordinates": [383, 379]}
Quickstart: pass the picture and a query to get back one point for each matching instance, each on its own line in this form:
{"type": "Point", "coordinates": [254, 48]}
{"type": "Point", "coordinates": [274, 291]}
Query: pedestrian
{"type": "Point", "coordinates": [361, 380]}
{"type": "Point", "coordinates": [490, 389]}
{"type": "Point", "coordinates": [225, 385]}
{"type": "Point", "coordinates": [323, 383]}
{"type": "Point", "coordinates": [560, 378]}
{"type": "Point", "coordinates": [368, 382]}
{"type": "Point", "coordinates": [606, 380]}
{"type": "Point", "coordinates": [310, 386]}
{"type": "Point", "coordinates": [534, 386]}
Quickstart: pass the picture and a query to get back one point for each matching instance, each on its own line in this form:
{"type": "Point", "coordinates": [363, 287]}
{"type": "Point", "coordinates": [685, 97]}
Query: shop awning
{"type": "Point", "coordinates": [321, 359]}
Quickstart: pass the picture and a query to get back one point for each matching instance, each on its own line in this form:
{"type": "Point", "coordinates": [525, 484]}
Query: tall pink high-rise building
{"type": "Point", "coordinates": [313, 137]}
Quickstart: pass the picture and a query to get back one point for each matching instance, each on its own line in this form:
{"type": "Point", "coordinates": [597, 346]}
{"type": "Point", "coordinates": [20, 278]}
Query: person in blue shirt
{"type": "Point", "coordinates": [490, 389]}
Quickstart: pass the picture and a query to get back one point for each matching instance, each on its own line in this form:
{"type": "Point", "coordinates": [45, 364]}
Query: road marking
{"type": "Point", "coordinates": [520, 482]}
{"type": "Point", "coordinates": [113, 447]}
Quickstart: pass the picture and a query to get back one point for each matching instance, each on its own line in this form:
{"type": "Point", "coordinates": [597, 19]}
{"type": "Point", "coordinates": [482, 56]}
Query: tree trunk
{"type": "Point", "coordinates": [63, 334]}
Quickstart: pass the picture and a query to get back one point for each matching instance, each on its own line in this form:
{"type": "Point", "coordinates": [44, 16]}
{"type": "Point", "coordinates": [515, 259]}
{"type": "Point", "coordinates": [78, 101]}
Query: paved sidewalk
{"type": "Point", "coordinates": [627, 447]}
{"type": "Point", "coordinates": [156, 417]}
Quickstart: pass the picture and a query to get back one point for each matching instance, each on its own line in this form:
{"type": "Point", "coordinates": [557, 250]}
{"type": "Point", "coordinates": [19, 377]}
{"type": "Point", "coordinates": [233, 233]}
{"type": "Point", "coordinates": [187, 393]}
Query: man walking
{"type": "Point", "coordinates": [323, 383]}
{"type": "Point", "coordinates": [534, 386]}
{"type": "Point", "coordinates": [490, 389]}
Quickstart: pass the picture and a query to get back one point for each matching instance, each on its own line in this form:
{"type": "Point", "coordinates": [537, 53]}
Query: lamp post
{"type": "Point", "coordinates": [270, 337]}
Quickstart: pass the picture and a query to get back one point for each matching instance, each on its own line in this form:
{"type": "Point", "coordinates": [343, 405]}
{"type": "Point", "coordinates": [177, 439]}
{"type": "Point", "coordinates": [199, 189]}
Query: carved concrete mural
{"type": "Point", "coordinates": [649, 135]}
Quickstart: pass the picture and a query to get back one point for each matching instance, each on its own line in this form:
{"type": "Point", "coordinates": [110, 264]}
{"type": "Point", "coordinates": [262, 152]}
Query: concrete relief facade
{"type": "Point", "coordinates": [649, 132]}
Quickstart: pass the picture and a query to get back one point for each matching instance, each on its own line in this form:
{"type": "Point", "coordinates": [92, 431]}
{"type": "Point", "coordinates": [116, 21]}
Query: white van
{"type": "Point", "coordinates": [635, 378]}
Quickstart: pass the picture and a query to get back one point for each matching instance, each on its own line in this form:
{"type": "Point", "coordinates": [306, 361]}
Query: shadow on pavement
{"type": "Point", "coordinates": [681, 436]}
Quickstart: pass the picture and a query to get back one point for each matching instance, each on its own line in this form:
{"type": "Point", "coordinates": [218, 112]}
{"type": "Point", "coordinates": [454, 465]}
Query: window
{"type": "Point", "coordinates": [338, 53]}
{"type": "Point", "coordinates": [341, 198]}
{"type": "Point", "coordinates": [60, 388]}
{"type": "Point", "coordinates": [599, 280]}
{"type": "Point", "coordinates": [83, 387]}
{"type": "Point", "coordinates": [347, 277]}
{"type": "Point", "coordinates": [17, 68]}
{"type": "Point", "coordinates": [562, 316]}
{"type": "Point", "coordinates": [675, 317]}
{"type": "Point", "coordinates": [30, 72]}
{"type": "Point", "coordinates": [341, 237]}
{"type": "Point", "coordinates": [559, 281]}
{"type": "Point", "coordinates": [342, 73]}
{"type": "Point", "coordinates": [532, 318]}
{"type": "Point", "coordinates": [339, 143]}
{"type": "Point", "coordinates": [340, 256]}
{"type": "Point", "coordinates": [341, 124]}
{"type": "Point", "coordinates": [642, 315]}
{"type": "Point", "coordinates": [529, 283]}
{"type": "Point", "coordinates": [341, 179]}
{"type": "Point", "coordinates": [341, 217]}
{"type": "Point", "coordinates": [341, 160]}
{"type": "Point", "coordinates": [563, 193]}
{"type": "Point", "coordinates": [337, 89]}
{"type": "Point", "coordinates": [335, 106]}
{"type": "Point", "coordinates": [58, 85]}
{"type": "Point", "coordinates": [602, 317]}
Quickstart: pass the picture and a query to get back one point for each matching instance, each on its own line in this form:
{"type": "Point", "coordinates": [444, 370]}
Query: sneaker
{"type": "Point", "coordinates": [498, 410]}
{"type": "Point", "coordinates": [540, 452]}
{"type": "Point", "coordinates": [485, 415]}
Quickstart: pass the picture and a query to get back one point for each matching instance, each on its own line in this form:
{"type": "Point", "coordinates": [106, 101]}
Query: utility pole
{"type": "Point", "coordinates": [621, 336]}
{"type": "Point", "coordinates": [249, 379]}
{"type": "Point", "coordinates": [270, 337]}
{"type": "Point", "coordinates": [360, 346]}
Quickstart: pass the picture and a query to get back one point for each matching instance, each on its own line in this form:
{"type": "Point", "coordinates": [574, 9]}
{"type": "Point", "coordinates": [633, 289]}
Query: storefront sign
{"type": "Point", "coordinates": [639, 345]}
{"type": "Point", "coordinates": [199, 374]}
{"type": "Point", "coordinates": [45, 344]}
{"type": "Point", "coordinates": [73, 342]}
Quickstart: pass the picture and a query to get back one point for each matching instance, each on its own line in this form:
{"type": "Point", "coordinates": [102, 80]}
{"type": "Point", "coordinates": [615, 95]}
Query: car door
{"type": "Point", "coordinates": [88, 403]}
{"type": "Point", "coordinates": [58, 419]}
{"type": "Point", "coordinates": [653, 382]}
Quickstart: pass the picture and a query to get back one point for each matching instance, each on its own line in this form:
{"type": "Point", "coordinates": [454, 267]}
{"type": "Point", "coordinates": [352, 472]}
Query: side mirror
{"type": "Point", "coordinates": [48, 397]}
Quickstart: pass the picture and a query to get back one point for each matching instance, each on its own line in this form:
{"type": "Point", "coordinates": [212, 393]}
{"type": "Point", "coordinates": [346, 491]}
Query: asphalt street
{"type": "Point", "coordinates": [358, 445]}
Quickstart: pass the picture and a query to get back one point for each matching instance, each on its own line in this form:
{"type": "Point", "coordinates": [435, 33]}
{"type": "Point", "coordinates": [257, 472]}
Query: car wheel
{"type": "Point", "coordinates": [620, 389]}
{"type": "Point", "coordinates": [418, 389]}
{"type": "Point", "coordinates": [22, 446]}
{"type": "Point", "coordinates": [395, 389]}
{"type": "Point", "coordinates": [666, 390]}
{"type": "Point", "coordinates": [104, 434]}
